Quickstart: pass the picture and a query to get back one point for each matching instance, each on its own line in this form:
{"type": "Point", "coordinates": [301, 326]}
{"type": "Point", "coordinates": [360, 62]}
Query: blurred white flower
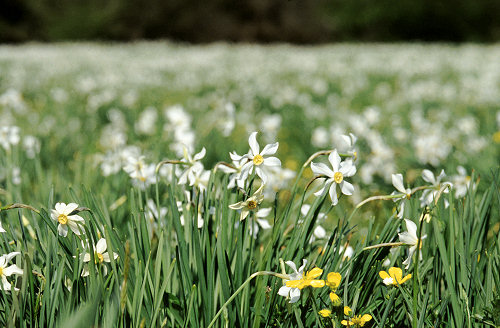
{"type": "Point", "coordinates": [429, 195]}
{"type": "Point", "coordinates": [461, 182]}
{"type": "Point", "coordinates": [31, 145]}
{"type": "Point", "coordinates": [193, 166]}
{"type": "Point", "coordinates": [61, 214]}
{"type": "Point", "coordinates": [335, 176]}
{"type": "Point", "coordinates": [142, 174]}
{"type": "Point", "coordinates": [9, 136]}
{"type": "Point", "coordinates": [146, 123]}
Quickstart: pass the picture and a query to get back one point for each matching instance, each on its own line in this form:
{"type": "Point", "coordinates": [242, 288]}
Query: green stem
{"type": "Point", "coordinates": [415, 274]}
{"type": "Point", "coordinates": [230, 299]}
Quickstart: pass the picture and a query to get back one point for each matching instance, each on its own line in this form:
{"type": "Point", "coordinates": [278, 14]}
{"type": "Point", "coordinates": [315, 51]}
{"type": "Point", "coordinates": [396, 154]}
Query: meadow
{"type": "Point", "coordinates": [155, 184]}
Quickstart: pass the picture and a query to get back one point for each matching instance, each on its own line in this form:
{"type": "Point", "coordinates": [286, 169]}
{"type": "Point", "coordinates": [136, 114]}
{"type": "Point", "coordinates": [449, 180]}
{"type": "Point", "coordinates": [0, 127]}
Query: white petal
{"type": "Point", "coordinates": [333, 194]}
{"type": "Point", "coordinates": [60, 208]}
{"type": "Point", "coordinates": [101, 246]}
{"type": "Point", "coordinates": [13, 269]}
{"type": "Point", "coordinates": [334, 159]}
{"type": "Point", "coordinates": [263, 212]}
{"type": "Point", "coordinates": [272, 161]}
{"type": "Point", "coordinates": [76, 218]}
{"type": "Point", "coordinates": [62, 229]}
{"type": "Point", "coordinates": [406, 238]}
{"type": "Point", "coordinates": [302, 267]}
{"type": "Point", "coordinates": [261, 174]}
{"type": "Point", "coordinates": [319, 232]}
{"type": "Point", "coordinates": [292, 265]}
{"type": "Point", "coordinates": [237, 206]}
{"type": "Point", "coordinates": [284, 291]}
{"type": "Point", "coordinates": [77, 230]}
{"type": "Point", "coordinates": [70, 208]}
{"type": "Point", "coordinates": [254, 145]}
{"type": "Point", "coordinates": [54, 215]}
{"type": "Point", "coordinates": [347, 188]}
{"type": "Point", "coordinates": [397, 182]}
{"type": "Point", "coordinates": [294, 295]}
{"type": "Point", "coordinates": [321, 191]}
{"type": "Point", "coordinates": [264, 224]}
{"type": "Point", "coordinates": [428, 176]}
{"type": "Point", "coordinates": [270, 149]}
{"type": "Point", "coordinates": [200, 155]}
{"type": "Point", "coordinates": [347, 168]}
{"type": "Point", "coordinates": [321, 169]}
{"type": "Point", "coordinates": [411, 227]}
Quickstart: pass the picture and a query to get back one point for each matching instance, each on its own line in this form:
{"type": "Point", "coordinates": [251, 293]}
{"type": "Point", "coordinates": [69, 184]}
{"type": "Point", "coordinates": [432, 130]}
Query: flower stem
{"type": "Point", "coordinates": [230, 299]}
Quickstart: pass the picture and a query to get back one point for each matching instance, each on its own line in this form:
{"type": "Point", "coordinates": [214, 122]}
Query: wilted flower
{"type": "Point", "coordinates": [61, 214]}
{"type": "Point", "coordinates": [341, 169]}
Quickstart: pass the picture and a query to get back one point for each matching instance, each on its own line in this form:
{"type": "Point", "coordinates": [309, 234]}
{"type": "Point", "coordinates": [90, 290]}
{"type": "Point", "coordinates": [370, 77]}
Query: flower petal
{"type": "Point", "coordinates": [70, 208]}
{"type": "Point", "coordinates": [396, 274]}
{"type": "Point", "coordinates": [254, 145]}
{"type": "Point", "coordinates": [412, 228]}
{"type": "Point", "coordinates": [333, 194]}
{"type": "Point", "coordinates": [346, 187]}
{"type": "Point", "coordinates": [270, 149]}
{"type": "Point", "coordinates": [101, 246]}
{"type": "Point", "coordinates": [272, 161]}
{"type": "Point", "coordinates": [13, 269]}
{"type": "Point", "coordinates": [428, 176]}
{"type": "Point", "coordinates": [321, 169]}
{"type": "Point", "coordinates": [200, 155]}
{"type": "Point", "coordinates": [62, 229]}
{"type": "Point", "coordinates": [334, 159]}
{"type": "Point", "coordinates": [397, 182]}
{"type": "Point", "coordinates": [294, 295]}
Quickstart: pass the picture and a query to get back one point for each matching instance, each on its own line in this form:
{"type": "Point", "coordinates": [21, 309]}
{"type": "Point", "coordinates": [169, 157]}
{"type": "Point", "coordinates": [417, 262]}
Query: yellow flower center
{"type": "Point", "coordinates": [357, 320]}
{"type": "Point", "coordinates": [258, 159]}
{"type": "Point", "coordinates": [1, 271]}
{"type": "Point", "coordinates": [98, 258]}
{"type": "Point", "coordinates": [338, 177]}
{"type": "Point", "coordinates": [62, 218]}
{"type": "Point", "coordinates": [252, 205]}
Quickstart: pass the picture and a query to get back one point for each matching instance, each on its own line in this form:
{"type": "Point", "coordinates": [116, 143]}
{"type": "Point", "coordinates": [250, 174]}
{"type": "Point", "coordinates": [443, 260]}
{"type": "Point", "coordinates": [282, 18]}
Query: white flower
{"type": "Point", "coordinates": [1, 228]}
{"type": "Point", "coordinates": [403, 195]}
{"type": "Point", "coordinates": [429, 195]}
{"type": "Point", "coordinates": [142, 174]}
{"type": "Point", "coordinates": [350, 142]}
{"type": "Point", "coordinates": [293, 293]}
{"type": "Point", "coordinates": [100, 256]}
{"type": "Point", "coordinates": [62, 215]}
{"type": "Point", "coordinates": [461, 182]}
{"type": "Point", "coordinates": [260, 221]}
{"type": "Point", "coordinates": [336, 176]}
{"type": "Point", "coordinates": [6, 271]}
{"type": "Point", "coordinates": [235, 171]}
{"type": "Point", "coordinates": [410, 238]}
{"type": "Point", "coordinates": [9, 136]}
{"type": "Point", "coordinates": [193, 166]}
{"type": "Point", "coordinates": [249, 205]}
{"type": "Point", "coordinates": [257, 160]}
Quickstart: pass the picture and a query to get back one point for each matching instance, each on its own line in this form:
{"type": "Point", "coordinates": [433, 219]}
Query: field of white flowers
{"type": "Point", "coordinates": [165, 185]}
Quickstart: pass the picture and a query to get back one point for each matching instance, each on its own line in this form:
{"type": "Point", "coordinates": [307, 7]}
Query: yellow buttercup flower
{"type": "Point", "coordinates": [336, 301]}
{"type": "Point", "coordinates": [394, 277]}
{"type": "Point", "coordinates": [333, 280]}
{"type": "Point", "coordinates": [325, 313]}
{"type": "Point", "coordinates": [308, 280]}
{"type": "Point", "coordinates": [355, 320]}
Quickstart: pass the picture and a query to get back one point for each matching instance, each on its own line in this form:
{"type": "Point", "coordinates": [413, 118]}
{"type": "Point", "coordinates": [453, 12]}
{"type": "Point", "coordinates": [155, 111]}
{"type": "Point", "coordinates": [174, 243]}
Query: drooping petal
{"type": "Point", "coordinates": [334, 159]}
{"type": "Point", "coordinates": [412, 228]}
{"type": "Point", "coordinates": [346, 187]}
{"type": "Point", "coordinates": [292, 265]}
{"type": "Point", "coordinates": [76, 218]}
{"type": "Point", "coordinates": [264, 224]}
{"type": "Point", "coordinates": [254, 145]}
{"type": "Point", "coordinates": [321, 169]}
{"type": "Point", "coordinates": [9, 256]}
{"type": "Point", "coordinates": [270, 149]}
{"type": "Point", "coordinates": [77, 230]}
{"type": "Point", "coordinates": [406, 238]}
{"type": "Point", "coordinates": [397, 182]}
{"type": "Point", "coordinates": [304, 263]}
{"type": "Point", "coordinates": [284, 291]}
{"type": "Point", "coordinates": [263, 212]}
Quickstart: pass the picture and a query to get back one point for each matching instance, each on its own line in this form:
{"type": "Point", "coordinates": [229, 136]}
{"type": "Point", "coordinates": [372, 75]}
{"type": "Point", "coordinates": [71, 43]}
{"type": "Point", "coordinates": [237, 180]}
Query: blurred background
{"type": "Point", "coordinates": [294, 21]}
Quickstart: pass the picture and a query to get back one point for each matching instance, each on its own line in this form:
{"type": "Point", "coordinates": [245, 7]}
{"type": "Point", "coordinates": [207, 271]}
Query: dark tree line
{"type": "Point", "coordinates": [297, 21]}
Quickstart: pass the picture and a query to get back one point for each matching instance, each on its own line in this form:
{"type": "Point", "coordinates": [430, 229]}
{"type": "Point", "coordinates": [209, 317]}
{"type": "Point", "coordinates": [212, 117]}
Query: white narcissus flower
{"type": "Point", "coordinates": [429, 195]}
{"type": "Point", "coordinates": [335, 176]}
{"type": "Point", "coordinates": [290, 292]}
{"type": "Point", "coordinates": [140, 172]}
{"type": "Point", "coordinates": [61, 214]}
{"type": "Point", "coordinates": [249, 205]}
{"type": "Point", "coordinates": [410, 238]}
{"type": "Point", "coordinates": [235, 170]}
{"type": "Point", "coordinates": [461, 182]}
{"type": "Point", "coordinates": [403, 194]}
{"type": "Point", "coordinates": [6, 271]}
{"type": "Point", "coordinates": [258, 160]}
{"type": "Point", "coordinates": [260, 221]}
{"type": "Point", "coordinates": [100, 256]}
{"type": "Point", "coordinates": [194, 166]}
